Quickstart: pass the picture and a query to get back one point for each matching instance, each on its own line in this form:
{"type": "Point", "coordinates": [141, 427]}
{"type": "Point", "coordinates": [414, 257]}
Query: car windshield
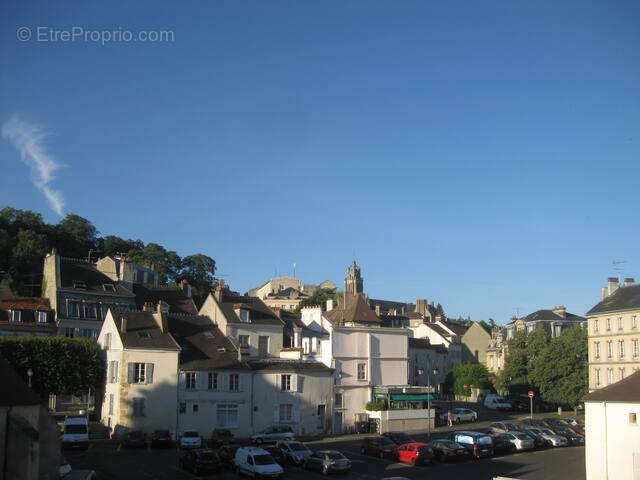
{"type": "Point", "coordinates": [335, 456]}
{"type": "Point", "coordinates": [510, 426]}
{"type": "Point", "coordinates": [385, 441]}
{"type": "Point", "coordinates": [75, 429]}
{"type": "Point", "coordinates": [522, 436]}
{"type": "Point", "coordinates": [485, 440]}
{"type": "Point", "coordinates": [263, 460]}
{"type": "Point", "coordinates": [447, 443]}
{"type": "Point", "coordinates": [423, 449]}
{"type": "Point", "coordinates": [190, 434]}
{"type": "Point", "coordinates": [298, 447]}
{"type": "Point", "coordinates": [546, 431]}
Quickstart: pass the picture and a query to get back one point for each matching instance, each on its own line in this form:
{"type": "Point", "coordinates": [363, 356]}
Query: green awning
{"type": "Point", "coordinates": [408, 397]}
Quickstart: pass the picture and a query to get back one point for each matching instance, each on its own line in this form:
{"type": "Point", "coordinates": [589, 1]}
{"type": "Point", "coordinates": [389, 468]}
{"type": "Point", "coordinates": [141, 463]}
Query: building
{"type": "Point", "coordinates": [428, 364]}
{"type": "Point", "coordinates": [496, 352]}
{"type": "Point", "coordinates": [286, 293]}
{"type": "Point", "coordinates": [612, 433]}
{"type": "Point", "coordinates": [475, 341]}
{"type": "Point", "coordinates": [29, 436]}
{"type": "Point", "coordinates": [26, 316]}
{"type": "Point", "coordinates": [80, 295]}
{"type": "Point", "coordinates": [120, 269]}
{"type": "Point", "coordinates": [614, 334]}
{"type": "Point", "coordinates": [554, 320]}
{"type": "Point", "coordinates": [441, 332]}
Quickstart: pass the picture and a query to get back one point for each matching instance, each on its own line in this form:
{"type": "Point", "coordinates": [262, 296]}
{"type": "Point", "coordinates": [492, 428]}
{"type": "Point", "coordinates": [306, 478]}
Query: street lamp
{"type": "Point", "coordinates": [29, 375]}
{"type": "Point", "coordinates": [435, 372]}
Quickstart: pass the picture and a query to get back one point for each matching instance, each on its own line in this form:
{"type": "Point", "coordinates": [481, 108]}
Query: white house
{"type": "Point", "coordinates": [612, 432]}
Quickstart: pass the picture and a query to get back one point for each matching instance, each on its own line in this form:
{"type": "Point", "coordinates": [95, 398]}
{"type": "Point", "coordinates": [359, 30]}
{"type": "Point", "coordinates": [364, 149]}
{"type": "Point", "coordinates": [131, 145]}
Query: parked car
{"type": "Point", "coordinates": [200, 460]}
{"type": "Point", "coordinates": [550, 437]}
{"type": "Point", "coordinates": [220, 436]}
{"type": "Point", "coordinates": [573, 421]}
{"type": "Point", "coordinates": [227, 453]}
{"type": "Point", "coordinates": [459, 415]}
{"type": "Point", "coordinates": [75, 433]}
{"type": "Point", "coordinates": [398, 437]}
{"type": "Point", "coordinates": [564, 424]}
{"type": "Point", "coordinates": [190, 439]}
{"type": "Point", "coordinates": [161, 438]}
{"type": "Point", "coordinates": [501, 444]}
{"type": "Point", "coordinates": [533, 423]}
{"type": "Point", "coordinates": [502, 427]}
{"type": "Point", "coordinates": [273, 434]}
{"type": "Point", "coordinates": [538, 440]}
{"type": "Point", "coordinates": [134, 439]}
{"type": "Point", "coordinates": [378, 446]}
{"type": "Point", "coordinates": [414, 453]}
{"type": "Point", "coordinates": [295, 452]}
{"type": "Point", "coordinates": [328, 461]}
{"type": "Point", "coordinates": [80, 475]}
{"type": "Point", "coordinates": [65, 467]}
{"type": "Point", "coordinates": [477, 443]}
{"type": "Point", "coordinates": [519, 440]}
{"type": "Point", "coordinates": [496, 402]}
{"type": "Point", "coordinates": [519, 404]}
{"type": "Point", "coordinates": [572, 437]}
{"type": "Point", "coordinates": [277, 454]}
{"type": "Point", "coordinates": [256, 462]}
{"type": "Point", "coordinates": [446, 450]}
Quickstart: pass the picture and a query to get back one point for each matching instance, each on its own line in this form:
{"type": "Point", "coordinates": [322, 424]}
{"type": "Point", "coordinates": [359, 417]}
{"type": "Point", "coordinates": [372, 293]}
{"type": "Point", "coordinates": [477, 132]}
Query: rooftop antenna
{"type": "Point", "coordinates": [618, 266]}
{"type": "Point", "coordinates": [294, 269]}
{"type": "Point", "coordinates": [517, 309]}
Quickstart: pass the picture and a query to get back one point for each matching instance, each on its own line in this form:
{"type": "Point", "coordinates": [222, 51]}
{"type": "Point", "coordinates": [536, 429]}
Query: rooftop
{"type": "Point", "coordinates": [624, 298]}
{"type": "Point", "coordinates": [177, 299]}
{"type": "Point", "coordinates": [82, 276]}
{"type": "Point", "coordinates": [625, 390]}
{"type": "Point", "coordinates": [143, 332]}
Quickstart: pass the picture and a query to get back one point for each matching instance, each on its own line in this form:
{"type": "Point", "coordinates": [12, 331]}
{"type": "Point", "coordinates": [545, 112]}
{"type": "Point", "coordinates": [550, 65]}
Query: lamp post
{"type": "Point", "coordinates": [29, 375]}
{"type": "Point", "coordinates": [435, 372]}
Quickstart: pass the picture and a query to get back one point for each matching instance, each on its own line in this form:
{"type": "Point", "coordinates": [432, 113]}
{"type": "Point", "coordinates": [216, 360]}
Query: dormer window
{"type": "Point", "coordinates": [16, 316]}
{"type": "Point", "coordinates": [42, 317]}
{"type": "Point", "coordinates": [109, 287]}
{"type": "Point", "coordinates": [244, 316]}
{"type": "Point", "coordinates": [79, 284]}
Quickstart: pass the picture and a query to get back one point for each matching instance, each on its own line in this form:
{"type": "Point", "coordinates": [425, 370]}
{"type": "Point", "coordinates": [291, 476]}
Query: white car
{"type": "Point", "coordinates": [190, 439]}
{"type": "Point", "coordinates": [75, 433]}
{"type": "Point", "coordinates": [273, 434]}
{"type": "Point", "coordinates": [295, 452]}
{"type": "Point", "coordinates": [496, 402]}
{"type": "Point", "coordinates": [519, 440]}
{"type": "Point", "coordinates": [256, 462]}
{"type": "Point", "coordinates": [551, 437]}
{"type": "Point", "coordinates": [459, 415]}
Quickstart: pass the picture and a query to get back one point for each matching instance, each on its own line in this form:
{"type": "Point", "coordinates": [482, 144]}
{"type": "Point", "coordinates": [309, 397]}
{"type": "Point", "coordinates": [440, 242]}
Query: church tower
{"type": "Point", "coordinates": [352, 283]}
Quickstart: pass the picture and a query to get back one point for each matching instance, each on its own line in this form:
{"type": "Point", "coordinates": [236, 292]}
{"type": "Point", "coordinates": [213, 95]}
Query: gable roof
{"type": "Point", "coordinates": [285, 365]}
{"type": "Point", "coordinates": [438, 329]}
{"type": "Point", "coordinates": [624, 298]}
{"type": "Point", "coordinates": [177, 299]}
{"type": "Point", "coordinates": [358, 311]}
{"type": "Point", "coordinates": [424, 343]}
{"type": "Point", "coordinates": [287, 293]}
{"type": "Point", "coordinates": [28, 307]}
{"type": "Point", "coordinates": [259, 312]}
{"type": "Point", "coordinates": [15, 391]}
{"type": "Point", "coordinates": [550, 315]}
{"type": "Point", "coordinates": [143, 332]}
{"type": "Point", "coordinates": [74, 270]}
{"type": "Point", "coordinates": [625, 390]}
{"type": "Point", "coordinates": [455, 328]}
{"type": "Point", "coordinates": [203, 346]}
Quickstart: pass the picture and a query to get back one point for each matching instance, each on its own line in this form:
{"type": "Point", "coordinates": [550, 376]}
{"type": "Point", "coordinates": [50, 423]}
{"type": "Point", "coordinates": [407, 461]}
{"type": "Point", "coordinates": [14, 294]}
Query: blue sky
{"type": "Point", "coordinates": [480, 154]}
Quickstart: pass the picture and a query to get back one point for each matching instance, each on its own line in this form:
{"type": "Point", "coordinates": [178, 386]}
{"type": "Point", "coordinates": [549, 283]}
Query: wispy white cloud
{"type": "Point", "coordinates": [28, 138]}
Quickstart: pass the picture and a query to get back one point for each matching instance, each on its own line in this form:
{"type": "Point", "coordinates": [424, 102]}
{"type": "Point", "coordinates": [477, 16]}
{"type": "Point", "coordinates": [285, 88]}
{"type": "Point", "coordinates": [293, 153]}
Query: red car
{"type": "Point", "coordinates": [378, 446]}
{"type": "Point", "coordinates": [414, 453]}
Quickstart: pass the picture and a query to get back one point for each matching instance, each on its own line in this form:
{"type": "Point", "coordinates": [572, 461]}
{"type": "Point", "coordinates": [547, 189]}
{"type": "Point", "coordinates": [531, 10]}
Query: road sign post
{"type": "Point", "coordinates": [531, 394]}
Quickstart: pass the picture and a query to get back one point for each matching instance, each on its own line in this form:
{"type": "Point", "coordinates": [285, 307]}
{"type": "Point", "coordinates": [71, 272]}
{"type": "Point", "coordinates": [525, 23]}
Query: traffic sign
{"type": "Point", "coordinates": [531, 394]}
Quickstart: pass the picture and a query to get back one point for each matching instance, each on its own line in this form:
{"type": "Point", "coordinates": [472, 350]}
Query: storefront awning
{"type": "Point", "coordinates": [408, 397]}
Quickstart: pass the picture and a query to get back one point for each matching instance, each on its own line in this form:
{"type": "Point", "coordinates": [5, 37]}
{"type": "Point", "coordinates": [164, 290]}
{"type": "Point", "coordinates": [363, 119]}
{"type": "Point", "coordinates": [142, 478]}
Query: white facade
{"type": "Point", "coordinates": [612, 440]}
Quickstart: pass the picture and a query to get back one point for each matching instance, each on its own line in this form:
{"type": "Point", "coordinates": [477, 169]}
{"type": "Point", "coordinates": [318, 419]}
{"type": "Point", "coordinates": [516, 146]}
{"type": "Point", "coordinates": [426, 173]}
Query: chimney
{"type": "Point", "coordinates": [560, 310]}
{"type": "Point", "coordinates": [421, 306]}
{"type": "Point", "coordinates": [378, 310]}
{"type": "Point", "coordinates": [186, 288]}
{"type": "Point", "coordinates": [612, 285]}
{"type": "Point", "coordinates": [123, 325]}
{"type": "Point", "coordinates": [329, 304]}
{"type": "Point", "coordinates": [218, 291]}
{"type": "Point", "coordinates": [402, 311]}
{"type": "Point", "coordinates": [603, 293]}
{"type": "Point", "coordinates": [628, 282]}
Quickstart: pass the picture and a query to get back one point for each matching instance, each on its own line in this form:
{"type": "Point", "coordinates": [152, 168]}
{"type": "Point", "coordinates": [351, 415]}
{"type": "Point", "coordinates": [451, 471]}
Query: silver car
{"type": "Point", "coordinates": [273, 434]}
{"type": "Point", "coordinates": [519, 440]}
{"type": "Point", "coordinates": [296, 452]}
{"type": "Point", "coordinates": [550, 437]}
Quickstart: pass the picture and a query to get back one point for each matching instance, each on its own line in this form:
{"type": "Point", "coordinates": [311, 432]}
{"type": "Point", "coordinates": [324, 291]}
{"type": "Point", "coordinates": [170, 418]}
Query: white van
{"type": "Point", "coordinates": [75, 433]}
{"type": "Point", "coordinates": [256, 462]}
{"type": "Point", "coordinates": [496, 402]}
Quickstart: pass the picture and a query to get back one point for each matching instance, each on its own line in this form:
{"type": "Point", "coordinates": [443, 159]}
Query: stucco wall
{"type": "Point", "coordinates": [476, 339]}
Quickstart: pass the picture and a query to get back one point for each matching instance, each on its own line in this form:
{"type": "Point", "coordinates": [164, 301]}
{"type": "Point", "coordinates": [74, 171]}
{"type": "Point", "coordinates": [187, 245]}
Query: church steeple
{"type": "Point", "coordinates": [352, 283]}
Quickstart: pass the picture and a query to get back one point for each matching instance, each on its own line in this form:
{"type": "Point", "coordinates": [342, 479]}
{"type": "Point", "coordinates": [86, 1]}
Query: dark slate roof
{"type": "Point", "coordinates": [203, 346]}
{"type": "Point", "coordinates": [386, 305]}
{"type": "Point", "coordinates": [15, 391]}
{"type": "Point", "coordinates": [177, 299]}
{"type": "Point", "coordinates": [624, 298]}
{"type": "Point", "coordinates": [438, 329]}
{"type": "Point", "coordinates": [551, 316]}
{"type": "Point", "coordinates": [357, 311]}
{"type": "Point", "coordinates": [284, 365]}
{"type": "Point", "coordinates": [79, 270]}
{"type": "Point", "coordinates": [387, 320]}
{"type": "Point", "coordinates": [625, 390]}
{"type": "Point", "coordinates": [290, 319]}
{"type": "Point", "coordinates": [143, 332]}
{"type": "Point", "coordinates": [457, 329]}
{"type": "Point", "coordinates": [259, 312]}
{"type": "Point", "coordinates": [289, 292]}
{"type": "Point", "coordinates": [424, 343]}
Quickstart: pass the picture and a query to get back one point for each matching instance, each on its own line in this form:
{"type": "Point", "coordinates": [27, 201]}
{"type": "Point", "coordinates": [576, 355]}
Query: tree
{"type": "Point", "coordinates": [200, 271]}
{"type": "Point", "coordinates": [439, 310]}
{"type": "Point", "coordinates": [516, 365]}
{"type": "Point", "coordinates": [112, 245]}
{"type": "Point", "coordinates": [320, 297]}
{"type": "Point", "coordinates": [76, 237]}
{"type": "Point", "coordinates": [166, 263]}
{"type": "Point", "coordinates": [473, 375]}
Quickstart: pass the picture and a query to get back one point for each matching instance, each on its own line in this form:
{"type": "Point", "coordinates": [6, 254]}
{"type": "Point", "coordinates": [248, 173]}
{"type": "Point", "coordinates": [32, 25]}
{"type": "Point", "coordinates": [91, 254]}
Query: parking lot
{"type": "Point", "coordinates": [112, 462]}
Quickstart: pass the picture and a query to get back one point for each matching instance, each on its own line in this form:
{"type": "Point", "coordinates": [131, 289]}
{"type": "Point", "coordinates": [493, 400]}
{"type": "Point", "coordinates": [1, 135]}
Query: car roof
{"type": "Point", "coordinates": [254, 450]}
{"type": "Point", "coordinates": [75, 421]}
{"type": "Point", "coordinates": [471, 433]}
{"type": "Point", "coordinates": [329, 451]}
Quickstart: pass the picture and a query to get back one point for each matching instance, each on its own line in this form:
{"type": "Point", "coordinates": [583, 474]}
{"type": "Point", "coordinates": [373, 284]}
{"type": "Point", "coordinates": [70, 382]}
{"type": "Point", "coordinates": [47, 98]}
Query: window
{"type": "Point", "coordinates": [285, 383]}
{"type": "Point", "coordinates": [234, 382]}
{"type": "Point", "coordinates": [620, 373]}
{"type": "Point", "coordinates": [138, 406]}
{"type": "Point", "coordinates": [139, 373]}
{"type": "Point", "coordinates": [634, 322]}
{"type": "Point", "coordinates": [305, 346]}
{"type": "Point", "coordinates": [263, 346]}
{"type": "Point", "coordinates": [244, 316]}
{"type": "Point", "coordinates": [338, 400]}
{"type": "Point", "coordinates": [620, 324]}
{"type": "Point", "coordinates": [318, 346]}
{"type": "Point", "coordinates": [621, 348]}
{"type": "Point", "coordinates": [16, 316]}
{"type": "Point", "coordinates": [87, 332]}
{"type": "Point", "coordinates": [635, 347]}
{"type": "Point", "coordinates": [632, 418]}
{"type": "Point", "coordinates": [362, 371]}
{"type": "Point", "coordinates": [595, 324]}
{"type": "Point", "coordinates": [195, 408]}
{"type": "Point", "coordinates": [111, 402]}
{"type": "Point", "coordinates": [113, 371]}
{"type": "Point", "coordinates": [69, 332]}
{"type": "Point", "coordinates": [596, 349]}
{"type": "Point", "coordinates": [109, 287]}
{"type": "Point", "coordinates": [190, 380]}
{"type": "Point", "coordinates": [79, 284]}
{"type": "Point", "coordinates": [227, 415]}
{"type": "Point", "coordinates": [107, 341]}
{"type": "Point", "coordinates": [90, 310]}
{"type": "Point", "coordinates": [213, 381]}
{"type": "Point", "coordinates": [183, 407]}
{"type": "Point", "coordinates": [286, 412]}
{"type": "Point", "coordinates": [73, 309]}
{"type": "Point", "coordinates": [608, 324]}
{"type": "Point", "coordinates": [597, 376]}
{"type": "Point", "coordinates": [609, 349]}
{"type": "Point", "coordinates": [609, 376]}
{"type": "Point", "coordinates": [244, 341]}
{"type": "Point", "coordinates": [42, 317]}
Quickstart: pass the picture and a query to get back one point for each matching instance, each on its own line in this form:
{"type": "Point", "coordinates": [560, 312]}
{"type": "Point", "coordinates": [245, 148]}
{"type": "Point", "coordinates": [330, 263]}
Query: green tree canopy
{"type": "Point", "coordinates": [320, 297]}
{"type": "Point", "coordinates": [473, 375]}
